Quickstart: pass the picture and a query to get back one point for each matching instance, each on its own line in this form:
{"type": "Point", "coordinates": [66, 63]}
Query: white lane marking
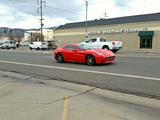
{"type": "Point", "coordinates": [80, 70]}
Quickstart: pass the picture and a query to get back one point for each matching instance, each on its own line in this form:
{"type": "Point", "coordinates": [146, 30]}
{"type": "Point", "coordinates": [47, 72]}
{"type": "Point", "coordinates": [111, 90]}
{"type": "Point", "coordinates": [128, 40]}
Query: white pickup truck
{"type": "Point", "coordinates": [102, 43]}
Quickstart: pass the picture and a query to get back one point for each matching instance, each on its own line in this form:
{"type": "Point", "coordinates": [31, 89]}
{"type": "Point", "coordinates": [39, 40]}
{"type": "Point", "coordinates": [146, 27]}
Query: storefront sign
{"type": "Point", "coordinates": [118, 31]}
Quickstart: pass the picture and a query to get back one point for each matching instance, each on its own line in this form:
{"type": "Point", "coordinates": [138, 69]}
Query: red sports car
{"type": "Point", "coordinates": [83, 54]}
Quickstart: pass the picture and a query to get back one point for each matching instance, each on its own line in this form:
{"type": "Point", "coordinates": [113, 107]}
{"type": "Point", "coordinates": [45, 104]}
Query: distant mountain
{"type": "Point", "coordinates": [16, 32]}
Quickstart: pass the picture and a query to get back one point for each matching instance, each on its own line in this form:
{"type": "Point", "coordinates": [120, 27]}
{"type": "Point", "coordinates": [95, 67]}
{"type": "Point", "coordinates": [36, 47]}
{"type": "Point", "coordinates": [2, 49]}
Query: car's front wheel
{"type": "Point", "coordinates": [90, 60]}
{"type": "Point", "coordinates": [114, 51]}
{"type": "Point", "coordinates": [59, 58]}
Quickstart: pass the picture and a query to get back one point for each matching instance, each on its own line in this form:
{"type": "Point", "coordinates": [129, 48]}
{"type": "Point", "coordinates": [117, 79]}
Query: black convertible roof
{"type": "Point", "coordinates": [112, 21]}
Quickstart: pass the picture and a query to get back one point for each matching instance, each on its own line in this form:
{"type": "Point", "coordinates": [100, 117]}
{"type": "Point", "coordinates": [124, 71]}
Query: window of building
{"type": "Point", "coordinates": [146, 42]}
{"type": "Point", "coordinates": [146, 38]}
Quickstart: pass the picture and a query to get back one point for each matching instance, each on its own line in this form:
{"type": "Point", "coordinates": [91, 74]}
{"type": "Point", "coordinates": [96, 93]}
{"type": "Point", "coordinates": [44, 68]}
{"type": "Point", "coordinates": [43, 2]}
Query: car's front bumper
{"type": "Point", "coordinates": [104, 60]}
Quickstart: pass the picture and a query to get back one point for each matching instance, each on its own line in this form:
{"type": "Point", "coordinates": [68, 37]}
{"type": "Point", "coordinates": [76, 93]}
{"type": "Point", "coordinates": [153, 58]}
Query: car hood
{"type": "Point", "coordinates": [105, 52]}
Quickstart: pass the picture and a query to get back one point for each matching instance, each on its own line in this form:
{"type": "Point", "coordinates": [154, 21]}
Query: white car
{"type": "Point", "coordinates": [8, 44]}
{"type": "Point", "coordinates": [38, 46]}
{"type": "Point", "coordinates": [102, 43]}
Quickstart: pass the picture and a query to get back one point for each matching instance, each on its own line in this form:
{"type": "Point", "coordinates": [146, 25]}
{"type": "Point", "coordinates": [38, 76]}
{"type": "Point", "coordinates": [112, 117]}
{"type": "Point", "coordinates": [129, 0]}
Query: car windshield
{"type": "Point", "coordinates": [85, 47]}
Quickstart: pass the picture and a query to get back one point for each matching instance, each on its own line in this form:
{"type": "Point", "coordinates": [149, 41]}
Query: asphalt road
{"type": "Point", "coordinates": [136, 75]}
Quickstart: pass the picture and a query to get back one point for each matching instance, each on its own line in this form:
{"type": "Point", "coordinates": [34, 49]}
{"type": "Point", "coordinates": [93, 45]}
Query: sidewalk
{"type": "Point", "coordinates": [138, 54]}
{"type": "Point", "coordinates": [26, 50]}
{"type": "Point", "coordinates": [33, 98]}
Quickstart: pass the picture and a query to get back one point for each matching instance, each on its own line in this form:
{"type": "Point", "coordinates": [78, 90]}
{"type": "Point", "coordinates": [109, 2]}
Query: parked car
{"type": "Point", "coordinates": [52, 45]}
{"type": "Point", "coordinates": [102, 43]}
{"type": "Point", "coordinates": [38, 46]}
{"type": "Point", "coordinates": [8, 44]}
{"type": "Point", "coordinates": [1, 44]}
{"type": "Point", "coordinates": [83, 54]}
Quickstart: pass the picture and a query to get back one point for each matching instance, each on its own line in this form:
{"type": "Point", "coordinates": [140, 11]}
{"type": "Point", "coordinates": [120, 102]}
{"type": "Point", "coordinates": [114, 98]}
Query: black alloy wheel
{"type": "Point", "coordinates": [90, 60]}
{"type": "Point", "coordinates": [114, 51]}
{"type": "Point", "coordinates": [106, 47]}
{"type": "Point", "coordinates": [59, 58]}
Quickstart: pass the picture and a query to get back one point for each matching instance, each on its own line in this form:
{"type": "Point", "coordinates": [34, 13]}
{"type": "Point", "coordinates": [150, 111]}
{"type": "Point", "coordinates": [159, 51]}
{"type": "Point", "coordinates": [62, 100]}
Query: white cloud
{"type": "Point", "coordinates": [114, 9]}
{"type": "Point", "coordinates": [28, 22]}
{"type": "Point", "coordinates": [22, 14]}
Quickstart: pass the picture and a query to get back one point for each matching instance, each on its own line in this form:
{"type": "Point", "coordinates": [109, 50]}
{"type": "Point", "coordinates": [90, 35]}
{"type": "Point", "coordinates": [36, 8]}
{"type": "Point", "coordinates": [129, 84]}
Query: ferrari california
{"type": "Point", "coordinates": [83, 54]}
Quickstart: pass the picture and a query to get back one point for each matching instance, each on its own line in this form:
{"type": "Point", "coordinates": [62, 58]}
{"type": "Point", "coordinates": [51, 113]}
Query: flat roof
{"type": "Point", "coordinates": [113, 21]}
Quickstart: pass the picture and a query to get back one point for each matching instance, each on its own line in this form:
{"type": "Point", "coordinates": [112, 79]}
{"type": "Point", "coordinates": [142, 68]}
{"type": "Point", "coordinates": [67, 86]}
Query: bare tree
{"type": "Point", "coordinates": [36, 36]}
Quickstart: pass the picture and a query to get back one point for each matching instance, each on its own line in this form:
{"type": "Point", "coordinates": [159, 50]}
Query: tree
{"type": "Point", "coordinates": [36, 36]}
{"type": "Point", "coordinates": [11, 37]}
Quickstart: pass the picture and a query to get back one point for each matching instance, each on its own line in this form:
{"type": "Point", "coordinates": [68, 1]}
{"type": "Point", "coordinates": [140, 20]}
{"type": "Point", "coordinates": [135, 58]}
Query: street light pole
{"type": "Point", "coordinates": [86, 25]}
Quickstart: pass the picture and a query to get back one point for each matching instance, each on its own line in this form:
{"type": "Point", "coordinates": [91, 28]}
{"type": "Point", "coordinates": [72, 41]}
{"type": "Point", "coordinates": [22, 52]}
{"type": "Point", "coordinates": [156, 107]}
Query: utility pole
{"type": "Point", "coordinates": [86, 25]}
{"type": "Point", "coordinates": [54, 33]}
{"type": "Point", "coordinates": [105, 15]}
{"type": "Point", "coordinates": [41, 3]}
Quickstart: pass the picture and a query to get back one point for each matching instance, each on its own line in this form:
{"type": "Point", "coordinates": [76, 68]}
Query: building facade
{"type": "Point", "coordinates": [29, 35]}
{"type": "Point", "coordinates": [138, 33]}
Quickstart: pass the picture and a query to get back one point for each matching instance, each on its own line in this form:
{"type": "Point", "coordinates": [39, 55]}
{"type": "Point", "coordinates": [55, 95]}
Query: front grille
{"type": "Point", "coordinates": [110, 58]}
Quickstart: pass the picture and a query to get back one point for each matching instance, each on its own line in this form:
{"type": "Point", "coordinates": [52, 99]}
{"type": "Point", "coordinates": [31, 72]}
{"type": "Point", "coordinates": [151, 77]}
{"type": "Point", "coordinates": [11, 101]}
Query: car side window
{"type": "Point", "coordinates": [102, 40]}
{"type": "Point", "coordinates": [87, 41]}
{"type": "Point", "coordinates": [69, 47]}
{"type": "Point", "coordinates": [93, 40]}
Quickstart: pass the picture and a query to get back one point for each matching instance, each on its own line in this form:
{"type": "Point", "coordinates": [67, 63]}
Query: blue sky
{"type": "Point", "coordinates": [23, 13]}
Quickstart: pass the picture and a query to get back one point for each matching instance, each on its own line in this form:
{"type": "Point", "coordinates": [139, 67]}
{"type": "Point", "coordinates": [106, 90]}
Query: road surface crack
{"type": "Point", "coordinates": [72, 96]}
{"type": "Point", "coordinates": [60, 99]}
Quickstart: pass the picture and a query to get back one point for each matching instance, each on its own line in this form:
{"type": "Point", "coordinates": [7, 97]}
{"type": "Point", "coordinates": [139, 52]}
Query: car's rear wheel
{"type": "Point", "coordinates": [105, 47]}
{"type": "Point", "coordinates": [38, 48]}
{"type": "Point", "coordinates": [90, 60]}
{"type": "Point", "coordinates": [59, 58]}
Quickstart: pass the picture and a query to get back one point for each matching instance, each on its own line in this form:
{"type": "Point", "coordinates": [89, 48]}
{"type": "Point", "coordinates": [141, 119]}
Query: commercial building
{"type": "Point", "coordinates": [138, 32]}
{"type": "Point", "coordinates": [30, 35]}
